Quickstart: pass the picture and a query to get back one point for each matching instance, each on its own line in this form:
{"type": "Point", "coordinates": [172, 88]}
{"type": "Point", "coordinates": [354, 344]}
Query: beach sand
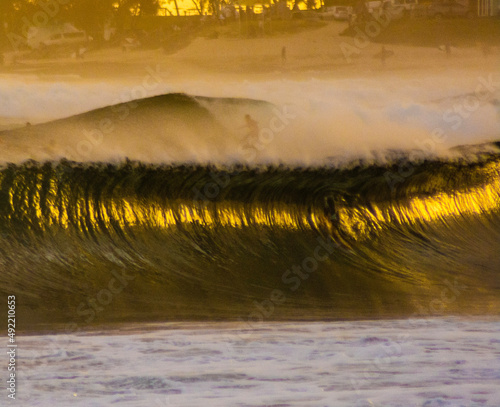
{"type": "Point", "coordinates": [316, 53]}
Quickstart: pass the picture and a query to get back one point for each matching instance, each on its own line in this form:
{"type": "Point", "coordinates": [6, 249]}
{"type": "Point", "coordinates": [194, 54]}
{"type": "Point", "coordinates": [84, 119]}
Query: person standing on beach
{"type": "Point", "coordinates": [384, 54]}
{"type": "Point", "coordinates": [283, 55]}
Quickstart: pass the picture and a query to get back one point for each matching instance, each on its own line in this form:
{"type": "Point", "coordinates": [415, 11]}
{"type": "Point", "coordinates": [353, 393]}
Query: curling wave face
{"type": "Point", "coordinates": [173, 207]}
{"type": "Point", "coordinates": [90, 242]}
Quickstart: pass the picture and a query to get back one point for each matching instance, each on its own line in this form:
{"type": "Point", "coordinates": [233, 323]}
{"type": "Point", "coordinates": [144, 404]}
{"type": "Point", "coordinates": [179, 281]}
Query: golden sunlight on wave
{"type": "Point", "coordinates": [360, 221]}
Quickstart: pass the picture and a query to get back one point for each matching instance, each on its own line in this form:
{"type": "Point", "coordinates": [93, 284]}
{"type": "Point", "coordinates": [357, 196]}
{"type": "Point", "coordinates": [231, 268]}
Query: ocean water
{"type": "Point", "coordinates": [398, 363]}
{"type": "Point", "coordinates": [239, 266]}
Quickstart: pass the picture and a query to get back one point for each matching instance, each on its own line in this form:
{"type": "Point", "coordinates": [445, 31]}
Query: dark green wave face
{"type": "Point", "coordinates": [99, 243]}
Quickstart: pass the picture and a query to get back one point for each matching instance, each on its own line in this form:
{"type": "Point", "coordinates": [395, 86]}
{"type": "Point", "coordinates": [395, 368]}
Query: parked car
{"type": "Point", "coordinates": [336, 13]}
{"type": "Point", "coordinates": [305, 15]}
{"type": "Point", "coordinates": [450, 8]}
{"type": "Point", "coordinates": [65, 34]}
{"type": "Point", "coordinates": [378, 7]}
{"type": "Point", "coordinates": [408, 6]}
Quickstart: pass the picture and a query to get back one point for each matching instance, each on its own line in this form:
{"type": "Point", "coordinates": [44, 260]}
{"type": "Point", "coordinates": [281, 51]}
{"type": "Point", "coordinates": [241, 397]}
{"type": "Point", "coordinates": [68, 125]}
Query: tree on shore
{"type": "Point", "coordinates": [141, 7]}
{"type": "Point", "coordinates": [200, 5]}
{"type": "Point", "coordinates": [176, 6]}
{"type": "Point", "coordinates": [90, 15]}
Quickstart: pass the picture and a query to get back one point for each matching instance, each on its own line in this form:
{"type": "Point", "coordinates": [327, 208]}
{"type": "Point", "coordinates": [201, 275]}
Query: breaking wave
{"type": "Point", "coordinates": [156, 210]}
{"type": "Point", "coordinates": [103, 242]}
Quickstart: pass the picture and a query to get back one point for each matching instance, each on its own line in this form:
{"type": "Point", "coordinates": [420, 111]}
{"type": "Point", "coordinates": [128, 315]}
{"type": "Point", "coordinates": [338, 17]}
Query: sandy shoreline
{"type": "Point", "coordinates": [316, 53]}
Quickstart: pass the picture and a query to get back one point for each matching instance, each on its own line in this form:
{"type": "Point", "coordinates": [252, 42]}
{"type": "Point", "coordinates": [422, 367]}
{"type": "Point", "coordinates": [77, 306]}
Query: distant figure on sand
{"type": "Point", "coordinates": [486, 49]}
{"type": "Point", "coordinates": [283, 55]}
{"type": "Point", "coordinates": [384, 54]}
{"type": "Point", "coordinates": [446, 48]}
{"type": "Point", "coordinates": [253, 130]}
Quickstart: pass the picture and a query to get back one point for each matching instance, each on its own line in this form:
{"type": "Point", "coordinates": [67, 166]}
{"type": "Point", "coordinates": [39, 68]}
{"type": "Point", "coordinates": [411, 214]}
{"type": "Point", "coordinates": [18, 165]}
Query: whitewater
{"type": "Point", "coordinates": [340, 119]}
{"type": "Point", "coordinates": [424, 362]}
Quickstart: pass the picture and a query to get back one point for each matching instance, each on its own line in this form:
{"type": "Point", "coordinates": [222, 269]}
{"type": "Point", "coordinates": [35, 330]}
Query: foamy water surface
{"type": "Point", "coordinates": [399, 363]}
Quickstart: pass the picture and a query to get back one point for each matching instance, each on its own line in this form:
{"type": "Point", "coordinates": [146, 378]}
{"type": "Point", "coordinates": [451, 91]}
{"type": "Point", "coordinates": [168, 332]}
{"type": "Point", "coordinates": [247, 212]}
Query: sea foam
{"type": "Point", "coordinates": [304, 122]}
